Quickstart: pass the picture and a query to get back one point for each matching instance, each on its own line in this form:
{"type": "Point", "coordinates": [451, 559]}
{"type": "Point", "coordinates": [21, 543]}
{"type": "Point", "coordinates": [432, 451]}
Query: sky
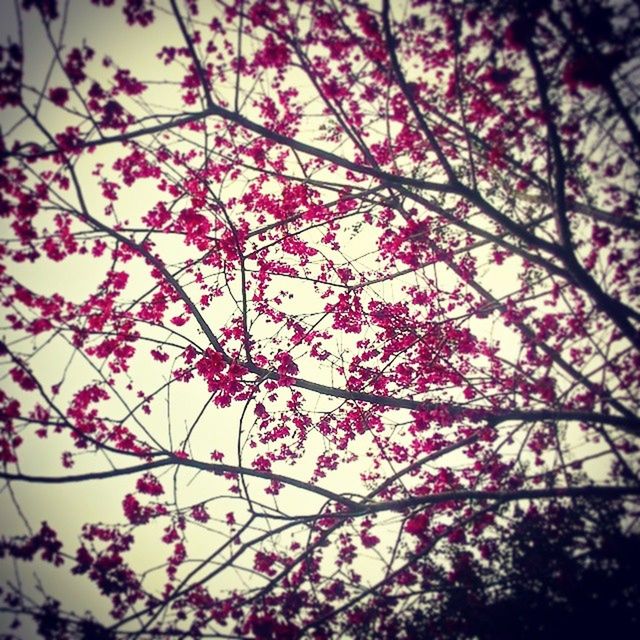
{"type": "Point", "coordinates": [68, 507]}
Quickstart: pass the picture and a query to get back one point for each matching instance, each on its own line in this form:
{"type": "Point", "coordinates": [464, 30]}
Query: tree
{"type": "Point", "coordinates": [562, 571]}
{"type": "Point", "coordinates": [310, 309]}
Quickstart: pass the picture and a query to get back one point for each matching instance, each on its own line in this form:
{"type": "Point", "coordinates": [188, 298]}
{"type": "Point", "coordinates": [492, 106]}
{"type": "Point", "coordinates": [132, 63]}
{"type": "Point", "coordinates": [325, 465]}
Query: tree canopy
{"type": "Point", "coordinates": [319, 318]}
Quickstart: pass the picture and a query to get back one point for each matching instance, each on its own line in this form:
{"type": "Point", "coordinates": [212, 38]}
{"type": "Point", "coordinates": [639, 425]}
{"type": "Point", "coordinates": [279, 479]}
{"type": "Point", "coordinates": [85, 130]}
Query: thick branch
{"type": "Point", "coordinates": [180, 462]}
{"type": "Point", "coordinates": [631, 425]}
{"type": "Point", "coordinates": [594, 491]}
